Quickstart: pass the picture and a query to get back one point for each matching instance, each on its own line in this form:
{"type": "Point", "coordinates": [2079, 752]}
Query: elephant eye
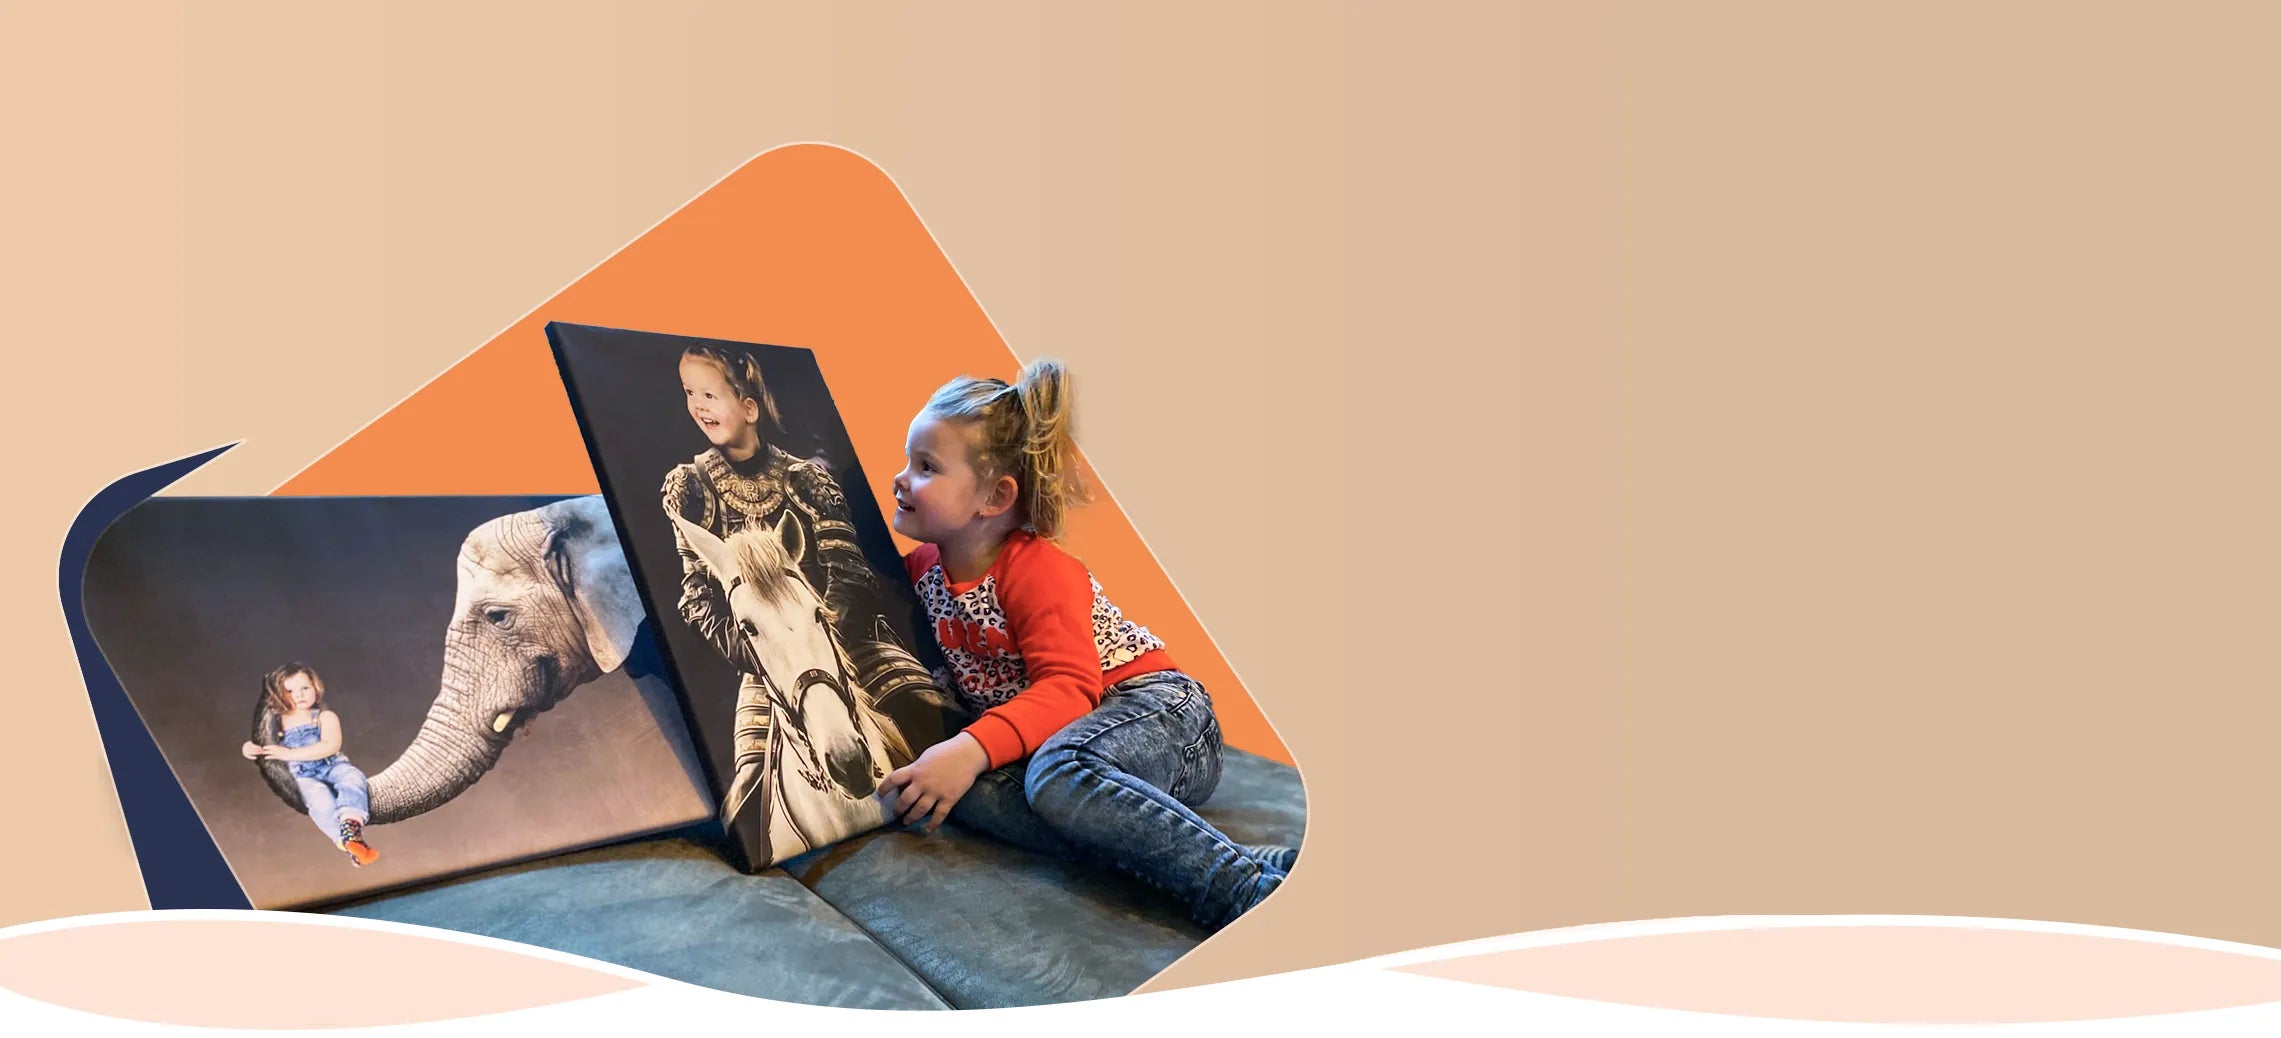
{"type": "Point", "coordinates": [498, 616]}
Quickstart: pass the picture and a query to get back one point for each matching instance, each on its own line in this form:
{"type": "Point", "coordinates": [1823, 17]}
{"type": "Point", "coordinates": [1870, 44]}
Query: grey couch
{"type": "Point", "coordinates": [898, 919]}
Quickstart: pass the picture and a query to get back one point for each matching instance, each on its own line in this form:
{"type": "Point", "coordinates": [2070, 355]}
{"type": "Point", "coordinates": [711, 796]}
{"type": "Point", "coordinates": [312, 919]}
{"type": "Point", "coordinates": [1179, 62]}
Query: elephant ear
{"type": "Point", "coordinates": [587, 563]}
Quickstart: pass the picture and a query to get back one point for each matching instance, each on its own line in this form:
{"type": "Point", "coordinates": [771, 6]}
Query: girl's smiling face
{"type": "Point", "coordinates": [727, 420]}
{"type": "Point", "coordinates": [302, 690]}
{"type": "Point", "coordinates": [938, 492]}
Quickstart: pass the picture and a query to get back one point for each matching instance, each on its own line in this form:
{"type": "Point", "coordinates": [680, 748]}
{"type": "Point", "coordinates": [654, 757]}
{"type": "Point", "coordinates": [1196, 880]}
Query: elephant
{"type": "Point", "coordinates": [545, 603]}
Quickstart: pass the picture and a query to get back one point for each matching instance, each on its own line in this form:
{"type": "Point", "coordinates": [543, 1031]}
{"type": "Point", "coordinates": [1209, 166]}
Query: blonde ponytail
{"type": "Point", "coordinates": [1050, 483]}
{"type": "Point", "coordinates": [1025, 431]}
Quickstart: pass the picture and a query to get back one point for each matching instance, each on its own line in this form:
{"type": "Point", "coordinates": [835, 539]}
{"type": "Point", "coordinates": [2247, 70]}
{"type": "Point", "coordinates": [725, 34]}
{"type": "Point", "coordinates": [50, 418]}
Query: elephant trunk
{"type": "Point", "coordinates": [449, 753]}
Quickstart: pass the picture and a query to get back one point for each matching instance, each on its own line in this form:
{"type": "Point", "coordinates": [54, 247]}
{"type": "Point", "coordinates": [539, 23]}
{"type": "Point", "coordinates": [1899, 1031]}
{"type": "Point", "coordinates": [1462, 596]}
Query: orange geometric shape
{"type": "Point", "coordinates": [809, 246]}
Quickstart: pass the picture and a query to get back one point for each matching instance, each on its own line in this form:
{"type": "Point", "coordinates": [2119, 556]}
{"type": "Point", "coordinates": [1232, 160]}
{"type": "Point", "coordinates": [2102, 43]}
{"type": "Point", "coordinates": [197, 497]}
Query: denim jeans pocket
{"type": "Point", "coordinates": [1174, 696]}
{"type": "Point", "coordinates": [1199, 764]}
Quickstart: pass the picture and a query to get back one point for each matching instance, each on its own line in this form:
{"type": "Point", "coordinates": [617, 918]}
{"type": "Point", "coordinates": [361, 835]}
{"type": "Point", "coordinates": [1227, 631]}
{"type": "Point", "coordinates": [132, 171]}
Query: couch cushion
{"type": "Point", "coordinates": [988, 924]}
{"type": "Point", "coordinates": [674, 908]}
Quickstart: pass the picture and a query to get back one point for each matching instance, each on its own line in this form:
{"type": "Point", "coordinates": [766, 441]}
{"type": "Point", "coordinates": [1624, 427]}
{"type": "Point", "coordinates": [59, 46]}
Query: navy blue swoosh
{"type": "Point", "coordinates": [181, 867]}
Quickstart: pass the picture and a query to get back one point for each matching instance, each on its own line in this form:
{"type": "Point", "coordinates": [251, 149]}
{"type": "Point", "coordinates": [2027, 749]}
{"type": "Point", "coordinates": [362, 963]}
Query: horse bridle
{"type": "Point", "coordinates": [788, 707]}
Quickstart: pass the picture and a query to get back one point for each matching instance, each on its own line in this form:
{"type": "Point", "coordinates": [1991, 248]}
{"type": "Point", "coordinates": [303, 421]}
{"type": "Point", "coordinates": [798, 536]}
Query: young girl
{"type": "Point", "coordinates": [1090, 744]}
{"type": "Point", "coordinates": [309, 737]}
{"type": "Point", "coordinates": [743, 479]}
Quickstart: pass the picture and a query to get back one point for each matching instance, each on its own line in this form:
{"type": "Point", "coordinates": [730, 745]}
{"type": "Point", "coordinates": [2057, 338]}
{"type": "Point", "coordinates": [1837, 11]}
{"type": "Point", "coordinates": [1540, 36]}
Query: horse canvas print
{"type": "Point", "coordinates": [801, 650]}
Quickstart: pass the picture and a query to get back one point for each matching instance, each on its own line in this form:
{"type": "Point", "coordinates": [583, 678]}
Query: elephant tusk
{"type": "Point", "coordinates": [499, 724]}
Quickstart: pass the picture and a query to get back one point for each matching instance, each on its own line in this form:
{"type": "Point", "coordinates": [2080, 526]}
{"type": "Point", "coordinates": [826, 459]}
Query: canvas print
{"type": "Point", "coordinates": [802, 650]}
{"type": "Point", "coordinates": [364, 693]}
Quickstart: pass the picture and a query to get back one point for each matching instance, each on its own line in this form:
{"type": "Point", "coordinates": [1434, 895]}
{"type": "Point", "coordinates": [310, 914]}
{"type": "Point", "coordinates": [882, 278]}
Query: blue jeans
{"type": "Point", "coordinates": [1114, 788]}
{"type": "Point", "coordinates": [332, 790]}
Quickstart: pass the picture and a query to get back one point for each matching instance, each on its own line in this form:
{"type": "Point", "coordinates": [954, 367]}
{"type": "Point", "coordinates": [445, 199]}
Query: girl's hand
{"type": "Point", "coordinates": [930, 786]}
{"type": "Point", "coordinates": [251, 750]}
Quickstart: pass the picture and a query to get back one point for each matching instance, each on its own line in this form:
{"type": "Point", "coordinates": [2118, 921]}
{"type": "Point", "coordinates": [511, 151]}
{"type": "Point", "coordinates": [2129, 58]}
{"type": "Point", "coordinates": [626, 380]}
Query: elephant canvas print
{"type": "Point", "coordinates": [358, 694]}
{"type": "Point", "coordinates": [802, 650]}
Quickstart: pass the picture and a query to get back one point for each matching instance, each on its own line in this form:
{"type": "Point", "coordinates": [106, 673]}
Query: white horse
{"type": "Point", "coordinates": [829, 746]}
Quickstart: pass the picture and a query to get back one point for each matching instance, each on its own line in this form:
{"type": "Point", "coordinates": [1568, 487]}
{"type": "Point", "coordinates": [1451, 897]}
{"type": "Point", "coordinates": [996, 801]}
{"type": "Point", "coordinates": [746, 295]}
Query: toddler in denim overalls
{"type": "Point", "coordinates": [333, 791]}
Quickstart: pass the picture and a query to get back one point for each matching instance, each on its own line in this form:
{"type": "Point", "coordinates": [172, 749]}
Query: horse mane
{"type": "Point", "coordinates": [764, 566]}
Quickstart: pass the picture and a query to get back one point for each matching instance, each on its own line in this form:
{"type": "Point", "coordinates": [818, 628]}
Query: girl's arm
{"type": "Point", "coordinates": [703, 605]}
{"type": "Point", "coordinates": [328, 742]}
{"type": "Point", "coordinates": [1048, 600]}
{"type": "Point", "coordinates": [847, 570]}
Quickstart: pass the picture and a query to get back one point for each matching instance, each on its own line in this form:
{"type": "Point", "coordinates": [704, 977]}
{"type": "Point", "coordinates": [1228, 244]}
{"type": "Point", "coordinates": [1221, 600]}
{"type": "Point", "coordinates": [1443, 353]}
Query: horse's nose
{"type": "Point", "coordinates": [851, 768]}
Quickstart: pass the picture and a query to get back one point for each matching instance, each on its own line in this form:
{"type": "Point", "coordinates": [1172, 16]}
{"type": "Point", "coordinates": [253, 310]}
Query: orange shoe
{"type": "Point", "coordinates": [352, 841]}
{"type": "Point", "coordinates": [360, 852]}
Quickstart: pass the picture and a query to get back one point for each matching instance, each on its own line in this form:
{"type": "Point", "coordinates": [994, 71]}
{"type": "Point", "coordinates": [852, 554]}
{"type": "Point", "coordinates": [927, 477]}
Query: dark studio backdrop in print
{"type": "Point", "coordinates": [192, 600]}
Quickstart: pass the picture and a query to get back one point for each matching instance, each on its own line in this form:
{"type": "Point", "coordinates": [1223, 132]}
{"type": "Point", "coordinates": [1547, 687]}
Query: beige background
{"type": "Point", "coordinates": [1752, 458]}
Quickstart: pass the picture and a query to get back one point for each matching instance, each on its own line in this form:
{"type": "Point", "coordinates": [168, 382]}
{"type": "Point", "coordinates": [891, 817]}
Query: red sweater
{"type": "Point", "coordinates": [1032, 643]}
